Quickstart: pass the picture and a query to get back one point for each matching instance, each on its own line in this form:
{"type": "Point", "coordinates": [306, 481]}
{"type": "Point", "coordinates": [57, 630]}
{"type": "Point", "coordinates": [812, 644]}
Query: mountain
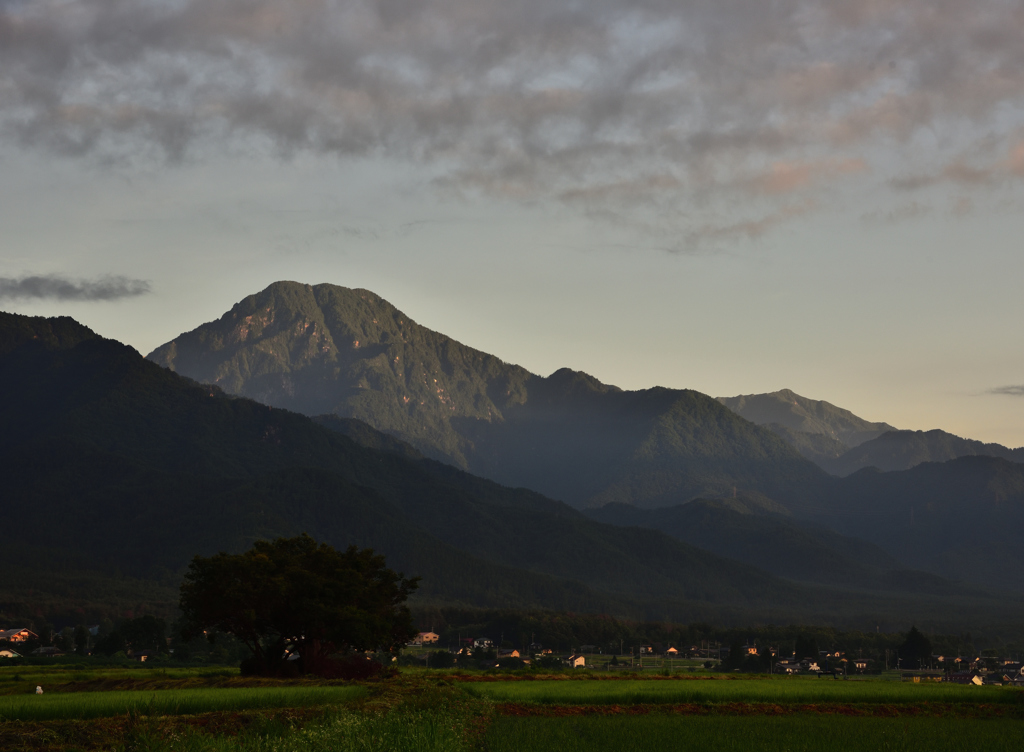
{"type": "Point", "coordinates": [901, 450]}
{"type": "Point", "coordinates": [331, 350]}
{"type": "Point", "coordinates": [841, 443]}
{"type": "Point", "coordinates": [747, 532]}
{"type": "Point", "coordinates": [116, 471]}
{"type": "Point", "coordinates": [113, 465]}
{"type": "Point", "coordinates": [960, 519]}
{"type": "Point", "coordinates": [819, 430]}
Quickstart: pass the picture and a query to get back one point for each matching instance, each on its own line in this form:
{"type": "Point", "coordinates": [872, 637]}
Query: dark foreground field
{"type": "Point", "coordinates": [192, 711]}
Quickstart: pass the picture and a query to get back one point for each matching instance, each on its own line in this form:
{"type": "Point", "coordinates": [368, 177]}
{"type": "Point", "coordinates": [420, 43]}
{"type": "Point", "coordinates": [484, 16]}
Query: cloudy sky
{"type": "Point", "coordinates": [732, 196]}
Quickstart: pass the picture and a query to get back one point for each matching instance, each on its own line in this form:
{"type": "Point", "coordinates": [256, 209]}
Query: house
{"type": "Point", "coordinates": [483, 642]}
{"type": "Point", "coordinates": [646, 650]}
{"type": "Point", "coordinates": [508, 654]}
{"type": "Point", "coordinates": [144, 655]}
{"type": "Point", "coordinates": [9, 654]}
{"type": "Point", "coordinates": [424, 638]}
{"type": "Point", "coordinates": [574, 661]}
{"type": "Point", "coordinates": [18, 635]}
{"type": "Point", "coordinates": [750, 649]}
{"type": "Point", "coordinates": [672, 652]}
{"type": "Point", "coordinates": [965, 677]}
{"type": "Point", "coordinates": [48, 652]}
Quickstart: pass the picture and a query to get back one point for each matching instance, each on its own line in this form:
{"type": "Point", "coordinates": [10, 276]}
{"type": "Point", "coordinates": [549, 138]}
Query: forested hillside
{"type": "Point", "coordinates": [117, 471]}
{"type": "Point", "coordinates": [114, 465]}
{"type": "Point", "coordinates": [747, 532]}
{"type": "Point", "coordinates": [902, 450]}
{"type": "Point", "coordinates": [960, 519]}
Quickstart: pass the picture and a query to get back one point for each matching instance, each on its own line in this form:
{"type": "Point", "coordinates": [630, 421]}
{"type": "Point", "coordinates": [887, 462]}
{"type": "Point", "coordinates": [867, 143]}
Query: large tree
{"type": "Point", "coordinates": [916, 650]}
{"type": "Point", "coordinates": [292, 595]}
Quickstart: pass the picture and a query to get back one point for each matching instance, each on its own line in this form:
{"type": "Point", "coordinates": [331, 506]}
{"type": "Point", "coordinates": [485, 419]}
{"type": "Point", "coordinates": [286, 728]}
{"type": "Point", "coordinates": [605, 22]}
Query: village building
{"type": "Point", "coordinates": [575, 661]}
{"type": "Point", "coordinates": [18, 635]}
{"type": "Point", "coordinates": [48, 651]}
{"type": "Point", "coordinates": [424, 638]}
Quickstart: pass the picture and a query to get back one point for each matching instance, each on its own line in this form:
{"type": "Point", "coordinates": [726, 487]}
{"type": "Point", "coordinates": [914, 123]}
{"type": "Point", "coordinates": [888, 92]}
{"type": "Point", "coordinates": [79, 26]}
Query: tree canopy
{"type": "Point", "coordinates": [916, 649]}
{"type": "Point", "coordinates": [292, 595]}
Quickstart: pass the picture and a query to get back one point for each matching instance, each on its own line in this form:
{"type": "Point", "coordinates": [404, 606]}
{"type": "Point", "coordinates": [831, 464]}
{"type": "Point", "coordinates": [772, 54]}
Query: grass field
{"type": "Point", "coordinates": [783, 691]}
{"type": "Point", "coordinates": [84, 705]}
{"type": "Point", "coordinates": [12, 676]}
{"type": "Point", "coordinates": [725, 733]}
{"type": "Point", "coordinates": [430, 711]}
{"type": "Point", "coordinates": [338, 731]}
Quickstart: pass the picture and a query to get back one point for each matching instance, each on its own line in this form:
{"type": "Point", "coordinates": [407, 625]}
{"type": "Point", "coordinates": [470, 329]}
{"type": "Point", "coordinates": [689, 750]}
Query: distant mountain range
{"type": "Point", "coordinates": [116, 471]}
{"type": "Point", "coordinates": [842, 443]}
{"type": "Point", "coordinates": [745, 531]}
{"type": "Point", "coordinates": [332, 350]}
{"type": "Point", "coordinates": [112, 464]}
{"type": "Point", "coordinates": [902, 450]}
{"type": "Point", "coordinates": [960, 519]}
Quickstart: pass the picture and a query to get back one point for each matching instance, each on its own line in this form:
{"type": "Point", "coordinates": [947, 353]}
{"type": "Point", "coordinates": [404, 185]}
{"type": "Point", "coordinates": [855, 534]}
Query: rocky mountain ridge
{"type": "Point", "coordinates": [327, 349]}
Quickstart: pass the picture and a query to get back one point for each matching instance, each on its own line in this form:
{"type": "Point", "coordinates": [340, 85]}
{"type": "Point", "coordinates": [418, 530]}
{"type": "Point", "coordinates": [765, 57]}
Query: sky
{"type": "Point", "coordinates": [730, 196]}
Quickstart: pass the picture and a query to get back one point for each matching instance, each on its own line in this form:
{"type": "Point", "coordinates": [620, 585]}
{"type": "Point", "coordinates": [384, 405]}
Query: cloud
{"type": "Point", "coordinates": [750, 229]}
{"type": "Point", "coordinates": [959, 173]}
{"type": "Point", "coordinates": [900, 213]}
{"type": "Point", "coordinates": [55, 287]}
{"type": "Point", "coordinates": [645, 104]}
{"type": "Point", "coordinates": [1012, 391]}
{"type": "Point", "coordinates": [787, 177]}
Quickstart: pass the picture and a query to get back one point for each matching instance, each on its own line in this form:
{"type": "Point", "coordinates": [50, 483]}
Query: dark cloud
{"type": "Point", "coordinates": [1012, 391]}
{"type": "Point", "coordinates": [699, 102]}
{"type": "Point", "coordinates": [55, 287]}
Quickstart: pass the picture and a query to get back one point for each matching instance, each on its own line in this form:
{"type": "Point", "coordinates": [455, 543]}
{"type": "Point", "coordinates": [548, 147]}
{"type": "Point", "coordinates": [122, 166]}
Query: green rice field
{"type": "Point", "coordinates": [218, 712]}
{"type": "Point", "coordinates": [800, 733]}
{"type": "Point", "coordinates": [700, 691]}
{"type": "Point", "coordinates": [339, 731]}
{"type": "Point", "coordinates": [44, 674]}
{"type": "Point", "coordinates": [85, 705]}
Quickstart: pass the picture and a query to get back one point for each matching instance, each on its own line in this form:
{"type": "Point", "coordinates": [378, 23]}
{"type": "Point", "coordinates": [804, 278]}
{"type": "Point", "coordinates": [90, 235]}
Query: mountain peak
{"type": "Point", "coordinates": [567, 380]}
{"type": "Point", "coordinates": [324, 349]}
{"type": "Point", "coordinates": [788, 409]}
